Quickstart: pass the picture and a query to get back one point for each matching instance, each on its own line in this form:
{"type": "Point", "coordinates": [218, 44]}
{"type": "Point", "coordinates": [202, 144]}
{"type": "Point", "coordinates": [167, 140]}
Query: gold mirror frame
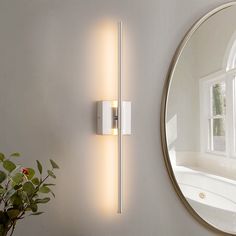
{"type": "Point", "coordinates": [166, 89]}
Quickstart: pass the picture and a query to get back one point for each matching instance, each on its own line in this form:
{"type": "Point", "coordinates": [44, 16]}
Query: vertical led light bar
{"type": "Point", "coordinates": [114, 117]}
{"type": "Point", "coordinates": [120, 117]}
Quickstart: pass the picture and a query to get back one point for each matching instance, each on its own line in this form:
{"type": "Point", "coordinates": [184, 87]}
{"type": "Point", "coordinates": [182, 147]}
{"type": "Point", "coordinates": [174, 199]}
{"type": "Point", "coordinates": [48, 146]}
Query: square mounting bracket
{"type": "Point", "coordinates": [107, 118]}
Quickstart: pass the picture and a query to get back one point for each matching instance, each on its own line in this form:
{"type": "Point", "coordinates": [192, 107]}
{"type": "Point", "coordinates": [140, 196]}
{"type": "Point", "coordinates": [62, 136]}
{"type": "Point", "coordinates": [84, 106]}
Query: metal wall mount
{"type": "Point", "coordinates": [107, 118]}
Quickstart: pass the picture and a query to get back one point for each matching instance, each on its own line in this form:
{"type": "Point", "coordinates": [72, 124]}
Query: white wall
{"type": "Point", "coordinates": [183, 101]}
{"type": "Point", "coordinates": [47, 97]}
{"type": "Point", "coordinates": [213, 46]}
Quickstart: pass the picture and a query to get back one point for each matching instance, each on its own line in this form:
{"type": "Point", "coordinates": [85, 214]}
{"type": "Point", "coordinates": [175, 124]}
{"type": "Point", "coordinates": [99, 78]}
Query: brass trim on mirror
{"type": "Point", "coordinates": [167, 84]}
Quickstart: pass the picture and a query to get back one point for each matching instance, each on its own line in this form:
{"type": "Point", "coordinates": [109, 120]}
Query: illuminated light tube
{"type": "Point", "coordinates": [114, 118]}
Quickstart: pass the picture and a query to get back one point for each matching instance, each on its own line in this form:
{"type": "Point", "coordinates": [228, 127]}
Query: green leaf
{"type": "Point", "coordinates": [29, 188]}
{"type": "Point", "coordinates": [3, 176]}
{"type": "Point", "coordinates": [33, 207]}
{"type": "Point", "coordinates": [27, 209]}
{"type": "Point", "coordinates": [44, 189]}
{"type": "Point", "coordinates": [47, 190]}
{"type": "Point", "coordinates": [2, 191]}
{"type": "Point", "coordinates": [51, 174]}
{"type": "Point", "coordinates": [40, 168]}
{"type": "Point", "coordinates": [15, 154]}
{"type": "Point", "coordinates": [18, 178]}
{"type": "Point", "coordinates": [36, 213]}
{"type": "Point", "coordinates": [43, 200]}
{"type": "Point", "coordinates": [9, 166]}
{"type": "Point", "coordinates": [13, 213]}
{"type": "Point", "coordinates": [49, 184]}
{"type": "Point", "coordinates": [9, 193]}
{"type": "Point", "coordinates": [16, 200]}
{"type": "Point", "coordinates": [16, 187]}
{"type": "Point", "coordinates": [23, 196]}
{"type": "Point", "coordinates": [35, 181]}
{"type": "Point", "coordinates": [2, 156]}
{"type": "Point", "coordinates": [54, 164]}
{"type": "Point", "coordinates": [31, 173]}
{"type": "Point", "coordinates": [35, 195]}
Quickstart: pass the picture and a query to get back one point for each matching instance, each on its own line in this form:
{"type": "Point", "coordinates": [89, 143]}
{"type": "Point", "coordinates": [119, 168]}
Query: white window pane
{"type": "Point", "coordinates": [218, 99]}
{"type": "Point", "coordinates": [218, 134]}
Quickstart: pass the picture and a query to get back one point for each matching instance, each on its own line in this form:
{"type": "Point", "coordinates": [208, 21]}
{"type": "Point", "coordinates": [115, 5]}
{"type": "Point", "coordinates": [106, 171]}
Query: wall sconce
{"type": "Point", "coordinates": [114, 117]}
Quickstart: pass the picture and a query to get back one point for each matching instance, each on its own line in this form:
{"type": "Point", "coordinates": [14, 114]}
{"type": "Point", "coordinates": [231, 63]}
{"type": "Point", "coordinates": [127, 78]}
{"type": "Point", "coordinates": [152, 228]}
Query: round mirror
{"type": "Point", "coordinates": [199, 120]}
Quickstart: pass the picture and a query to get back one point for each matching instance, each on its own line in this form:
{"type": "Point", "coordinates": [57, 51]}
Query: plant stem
{"type": "Point", "coordinates": [6, 188]}
{"type": "Point", "coordinates": [13, 228]}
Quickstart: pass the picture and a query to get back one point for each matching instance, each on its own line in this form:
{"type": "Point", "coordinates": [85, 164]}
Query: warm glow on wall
{"type": "Point", "coordinates": [106, 59]}
{"type": "Point", "coordinates": [110, 174]}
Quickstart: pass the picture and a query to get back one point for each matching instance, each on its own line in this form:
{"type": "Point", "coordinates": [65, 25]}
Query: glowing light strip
{"type": "Point", "coordinates": [119, 209]}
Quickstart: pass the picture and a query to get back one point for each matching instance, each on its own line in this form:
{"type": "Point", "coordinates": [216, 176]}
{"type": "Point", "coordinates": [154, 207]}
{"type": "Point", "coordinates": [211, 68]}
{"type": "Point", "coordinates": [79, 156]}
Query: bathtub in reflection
{"type": "Point", "coordinates": [211, 196]}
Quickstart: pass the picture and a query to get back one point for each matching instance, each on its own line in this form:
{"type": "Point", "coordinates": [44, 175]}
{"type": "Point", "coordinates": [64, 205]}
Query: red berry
{"type": "Point", "coordinates": [25, 171]}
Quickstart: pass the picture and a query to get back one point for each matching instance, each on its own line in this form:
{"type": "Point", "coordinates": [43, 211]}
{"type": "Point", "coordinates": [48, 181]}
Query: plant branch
{"type": "Point", "coordinates": [36, 190]}
{"type": "Point", "coordinates": [13, 228]}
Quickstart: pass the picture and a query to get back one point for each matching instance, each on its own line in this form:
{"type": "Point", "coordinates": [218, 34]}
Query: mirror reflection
{"type": "Point", "coordinates": [201, 120]}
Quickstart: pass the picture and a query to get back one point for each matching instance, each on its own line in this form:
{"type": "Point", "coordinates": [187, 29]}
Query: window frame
{"type": "Point", "coordinates": [205, 84]}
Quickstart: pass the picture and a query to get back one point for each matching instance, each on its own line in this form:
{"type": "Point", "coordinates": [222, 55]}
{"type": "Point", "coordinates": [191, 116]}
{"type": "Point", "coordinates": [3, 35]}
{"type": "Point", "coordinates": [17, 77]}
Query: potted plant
{"type": "Point", "coordinates": [22, 190]}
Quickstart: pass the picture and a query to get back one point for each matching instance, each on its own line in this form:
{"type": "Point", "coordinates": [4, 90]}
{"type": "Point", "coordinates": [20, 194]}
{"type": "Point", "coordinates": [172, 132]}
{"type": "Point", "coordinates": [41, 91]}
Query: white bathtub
{"type": "Point", "coordinates": [207, 189]}
{"type": "Point", "coordinates": [211, 196]}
